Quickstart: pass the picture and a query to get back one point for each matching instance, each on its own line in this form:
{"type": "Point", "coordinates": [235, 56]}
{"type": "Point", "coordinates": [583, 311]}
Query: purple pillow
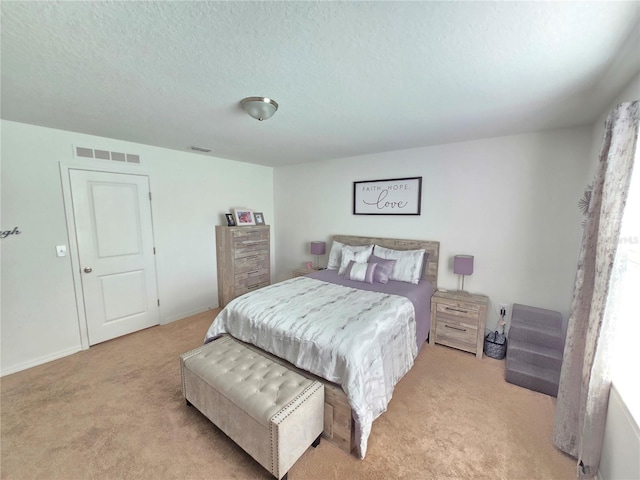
{"type": "Point", "coordinates": [360, 272]}
{"type": "Point", "coordinates": [385, 267]}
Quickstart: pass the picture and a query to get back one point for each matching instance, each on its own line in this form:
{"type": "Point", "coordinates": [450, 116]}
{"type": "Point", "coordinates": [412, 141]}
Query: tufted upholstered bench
{"type": "Point", "coordinates": [273, 413]}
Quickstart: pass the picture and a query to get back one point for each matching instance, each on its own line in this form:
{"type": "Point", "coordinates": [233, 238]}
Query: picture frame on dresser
{"type": "Point", "coordinates": [231, 222]}
{"type": "Point", "coordinates": [259, 218]}
{"type": "Point", "coordinates": [243, 217]}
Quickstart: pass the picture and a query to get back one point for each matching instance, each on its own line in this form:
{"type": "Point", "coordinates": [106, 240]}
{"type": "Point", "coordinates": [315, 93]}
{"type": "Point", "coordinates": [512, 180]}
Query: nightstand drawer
{"type": "Point", "coordinates": [461, 322]}
{"type": "Point", "coordinates": [459, 309]}
{"type": "Point", "coordinates": [457, 335]}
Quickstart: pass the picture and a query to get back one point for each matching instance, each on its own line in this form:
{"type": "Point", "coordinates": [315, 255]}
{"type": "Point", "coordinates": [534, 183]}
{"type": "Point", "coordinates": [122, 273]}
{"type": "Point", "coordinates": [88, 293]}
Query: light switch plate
{"type": "Point", "coordinates": [61, 250]}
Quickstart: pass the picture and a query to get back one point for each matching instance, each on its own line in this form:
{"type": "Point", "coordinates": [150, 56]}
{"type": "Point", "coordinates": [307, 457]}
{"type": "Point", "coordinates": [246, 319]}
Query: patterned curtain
{"type": "Point", "coordinates": [585, 379]}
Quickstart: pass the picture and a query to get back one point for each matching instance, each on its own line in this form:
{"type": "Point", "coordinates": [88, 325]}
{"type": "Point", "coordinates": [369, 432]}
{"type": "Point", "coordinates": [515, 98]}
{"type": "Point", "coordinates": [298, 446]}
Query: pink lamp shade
{"type": "Point", "coordinates": [318, 248]}
{"type": "Point", "coordinates": [463, 264]}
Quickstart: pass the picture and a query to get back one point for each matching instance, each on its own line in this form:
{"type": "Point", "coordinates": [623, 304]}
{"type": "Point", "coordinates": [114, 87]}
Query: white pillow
{"type": "Point", "coordinates": [335, 255]}
{"type": "Point", "coordinates": [408, 267]}
{"type": "Point", "coordinates": [356, 254]}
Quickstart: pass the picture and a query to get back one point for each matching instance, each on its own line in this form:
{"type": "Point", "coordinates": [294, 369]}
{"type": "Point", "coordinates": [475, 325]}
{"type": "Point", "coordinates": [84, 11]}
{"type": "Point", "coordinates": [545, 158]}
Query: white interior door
{"type": "Point", "coordinates": [114, 233]}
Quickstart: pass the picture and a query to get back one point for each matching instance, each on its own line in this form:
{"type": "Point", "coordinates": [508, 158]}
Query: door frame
{"type": "Point", "coordinates": [74, 254]}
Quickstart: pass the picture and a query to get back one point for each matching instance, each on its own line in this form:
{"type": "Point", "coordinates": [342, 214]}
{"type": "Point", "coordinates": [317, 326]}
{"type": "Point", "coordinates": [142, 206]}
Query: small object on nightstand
{"type": "Point", "coordinates": [300, 272]}
{"type": "Point", "coordinates": [458, 320]}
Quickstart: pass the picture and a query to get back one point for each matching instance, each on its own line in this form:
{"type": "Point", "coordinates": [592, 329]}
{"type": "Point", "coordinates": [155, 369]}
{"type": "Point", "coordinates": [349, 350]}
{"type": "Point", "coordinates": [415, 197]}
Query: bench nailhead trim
{"type": "Point", "coordinates": [275, 421]}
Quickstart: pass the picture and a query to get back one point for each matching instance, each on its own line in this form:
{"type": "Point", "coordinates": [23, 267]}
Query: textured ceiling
{"type": "Point", "coordinates": [351, 78]}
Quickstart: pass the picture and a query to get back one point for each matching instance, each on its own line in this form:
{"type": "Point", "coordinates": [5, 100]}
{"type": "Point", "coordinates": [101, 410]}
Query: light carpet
{"type": "Point", "coordinates": [116, 411]}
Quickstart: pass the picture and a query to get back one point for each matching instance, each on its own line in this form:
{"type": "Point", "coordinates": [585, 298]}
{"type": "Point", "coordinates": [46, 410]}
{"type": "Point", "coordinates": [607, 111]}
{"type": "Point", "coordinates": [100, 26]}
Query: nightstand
{"type": "Point", "coordinates": [458, 320]}
{"type": "Point", "coordinates": [299, 272]}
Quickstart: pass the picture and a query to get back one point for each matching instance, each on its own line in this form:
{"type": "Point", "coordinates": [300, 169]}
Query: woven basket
{"type": "Point", "coordinates": [495, 345]}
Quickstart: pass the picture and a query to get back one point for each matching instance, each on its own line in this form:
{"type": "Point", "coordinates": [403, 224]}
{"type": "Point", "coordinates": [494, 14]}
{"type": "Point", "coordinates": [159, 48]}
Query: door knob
{"type": "Point", "coordinates": [88, 269]}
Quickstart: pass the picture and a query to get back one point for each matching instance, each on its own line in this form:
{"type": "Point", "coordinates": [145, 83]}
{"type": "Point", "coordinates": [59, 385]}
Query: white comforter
{"type": "Point", "coordinates": [363, 341]}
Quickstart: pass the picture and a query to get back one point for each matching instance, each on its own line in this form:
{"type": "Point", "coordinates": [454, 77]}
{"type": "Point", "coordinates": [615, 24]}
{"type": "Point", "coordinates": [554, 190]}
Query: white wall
{"type": "Point", "coordinates": [512, 202]}
{"type": "Point", "coordinates": [621, 443]}
{"type": "Point", "coordinates": [191, 192]}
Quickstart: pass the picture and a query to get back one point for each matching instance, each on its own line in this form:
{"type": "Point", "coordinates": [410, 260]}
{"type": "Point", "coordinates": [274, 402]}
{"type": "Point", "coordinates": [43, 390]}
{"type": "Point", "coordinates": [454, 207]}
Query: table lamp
{"type": "Point", "coordinates": [318, 248]}
{"type": "Point", "coordinates": [463, 265]}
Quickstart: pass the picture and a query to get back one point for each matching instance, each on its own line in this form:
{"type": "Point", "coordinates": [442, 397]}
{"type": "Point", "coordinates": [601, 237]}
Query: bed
{"type": "Point", "coordinates": [359, 338]}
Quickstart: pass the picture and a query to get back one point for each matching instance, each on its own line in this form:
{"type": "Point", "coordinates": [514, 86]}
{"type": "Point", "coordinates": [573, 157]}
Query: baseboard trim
{"type": "Point", "coordinates": [186, 314]}
{"type": "Point", "coordinates": [78, 348]}
{"type": "Point", "coordinates": [40, 361]}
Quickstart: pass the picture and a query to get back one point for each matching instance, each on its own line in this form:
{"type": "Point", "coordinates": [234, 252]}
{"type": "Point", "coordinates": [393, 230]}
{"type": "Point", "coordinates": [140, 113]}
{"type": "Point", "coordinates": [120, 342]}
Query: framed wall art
{"type": "Point", "coordinates": [394, 196]}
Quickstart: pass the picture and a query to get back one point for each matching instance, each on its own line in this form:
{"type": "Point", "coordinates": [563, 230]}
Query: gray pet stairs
{"type": "Point", "coordinates": [536, 345]}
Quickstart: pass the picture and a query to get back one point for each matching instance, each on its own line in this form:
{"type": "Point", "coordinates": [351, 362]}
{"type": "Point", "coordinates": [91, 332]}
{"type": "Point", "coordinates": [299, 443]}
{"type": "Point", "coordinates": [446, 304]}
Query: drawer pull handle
{"type": "Point", "coordinates": [255, 271]}
{"type": "Point", "coordinates": [456, 328]}
{"type": "Point", "coordinates": [251, 287]}
{"type": "Point", "coordinates": [457, 310]}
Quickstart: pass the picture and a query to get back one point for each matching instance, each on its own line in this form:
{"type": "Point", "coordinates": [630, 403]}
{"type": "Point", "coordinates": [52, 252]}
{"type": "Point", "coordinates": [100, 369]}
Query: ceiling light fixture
{"type": "Point", "coordinates": [260, 108]}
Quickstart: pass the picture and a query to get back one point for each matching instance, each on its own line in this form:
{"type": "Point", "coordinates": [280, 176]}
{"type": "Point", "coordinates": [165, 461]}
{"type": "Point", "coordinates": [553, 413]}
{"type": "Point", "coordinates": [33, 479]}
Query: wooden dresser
{"type": "Point", "coordinates": [458, 320]}
{"type": "Point", "coordinates": [244, 263]}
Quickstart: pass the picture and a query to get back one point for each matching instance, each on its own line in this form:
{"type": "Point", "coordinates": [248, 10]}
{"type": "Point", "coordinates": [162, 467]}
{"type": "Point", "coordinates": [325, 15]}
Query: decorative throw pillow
{"type": "Point", "coordinates": [384, 269]}
{"type": "Point", "coordinates": [360, 272]}
{"type": "Point", "coordinates": [357, 254]}
{"type": "Point", "coordinates": [335, 255]}
{"type": "Point", "coordinates": [408, 267]}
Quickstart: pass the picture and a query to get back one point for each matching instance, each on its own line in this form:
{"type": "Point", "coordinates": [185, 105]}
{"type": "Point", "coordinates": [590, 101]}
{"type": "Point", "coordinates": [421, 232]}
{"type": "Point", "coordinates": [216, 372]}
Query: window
{"type": "Point", "coordinates": [625, 291]}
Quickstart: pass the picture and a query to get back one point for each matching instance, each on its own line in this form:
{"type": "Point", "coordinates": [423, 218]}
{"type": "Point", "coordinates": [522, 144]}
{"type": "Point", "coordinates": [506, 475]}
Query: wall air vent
{"type": "Point", "coordinates": [83, 152]}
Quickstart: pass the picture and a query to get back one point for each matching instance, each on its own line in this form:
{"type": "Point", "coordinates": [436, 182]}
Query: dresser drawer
{"type": "Point", "coordinates": [246, 279]}
{"type": "Point", "coordinates": [246, 249]}
{"type": "Point", "coordinates": [250, 284]}
{"type": "Point", "coordinates": [248, 235]}
{"type": "Point", "coordinates": [248, 263]}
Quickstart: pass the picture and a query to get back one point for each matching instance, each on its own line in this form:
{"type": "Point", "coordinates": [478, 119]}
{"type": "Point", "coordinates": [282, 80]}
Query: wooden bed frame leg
{"type": "Point", "coordinates": [316, 442]}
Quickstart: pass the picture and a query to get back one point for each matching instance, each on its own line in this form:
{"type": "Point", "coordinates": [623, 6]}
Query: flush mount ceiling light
{"type": "Point", "coordinates": [259, 108]}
